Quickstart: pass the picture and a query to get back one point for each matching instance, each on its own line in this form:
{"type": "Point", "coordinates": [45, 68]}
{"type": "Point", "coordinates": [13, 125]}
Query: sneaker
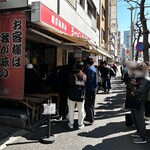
{"type": "Point", "coordinates": [139, 141]}
{"type": "Point", "coordinates": [87, 122]}
{"type": "Point", "coordinates": [70, 125]}
{"type": "Point", "coordinates": [135, 135]}
{"type": "Point", "coordinates": [81, 127]}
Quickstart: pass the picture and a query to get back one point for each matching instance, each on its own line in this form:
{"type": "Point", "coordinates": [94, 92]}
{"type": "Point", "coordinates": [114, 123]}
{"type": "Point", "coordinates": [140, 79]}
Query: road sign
{"type": "Point", "coordinates": [139, 46]}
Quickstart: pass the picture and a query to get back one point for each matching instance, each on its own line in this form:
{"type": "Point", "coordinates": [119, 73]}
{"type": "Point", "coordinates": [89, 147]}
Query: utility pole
{"type": "Point", "coordinates": [132, 45]}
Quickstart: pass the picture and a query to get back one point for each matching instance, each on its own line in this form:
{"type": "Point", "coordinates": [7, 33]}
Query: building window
{"type": "Point", "coordinates": [91, 9]}
{"type": "Point", "coordinates": [72, 2]}
{"type": "Point", "coordinates": [103, 11]}
{"type": "Point", "coordinates": [82, 3]}
{"type": "Point", "coordinates": [103, 36]}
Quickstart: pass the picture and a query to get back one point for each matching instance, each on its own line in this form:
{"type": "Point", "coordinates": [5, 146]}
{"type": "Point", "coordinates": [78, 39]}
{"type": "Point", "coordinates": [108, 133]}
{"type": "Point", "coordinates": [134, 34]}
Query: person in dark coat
{"type": "Point", "coordinates": [63, 86]}
{"type": "Point", "coordinates": [137, 90]}
{"type": "Point", "coordinates": [32, 80]}
{"type": "Point", "coordinates": [91, 86]}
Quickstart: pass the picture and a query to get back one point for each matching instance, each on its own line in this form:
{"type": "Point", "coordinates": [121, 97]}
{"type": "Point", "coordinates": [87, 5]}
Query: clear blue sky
{"type": "Point", "coordinates": [123, 17]}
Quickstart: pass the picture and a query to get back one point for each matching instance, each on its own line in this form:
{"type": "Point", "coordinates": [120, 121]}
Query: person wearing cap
{"type": "Point", "coordinates": [91, 86]}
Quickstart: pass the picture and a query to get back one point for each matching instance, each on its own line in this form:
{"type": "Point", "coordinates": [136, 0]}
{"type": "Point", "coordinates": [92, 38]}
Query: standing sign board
{"type": "Point", "coordinates": [12, 55]}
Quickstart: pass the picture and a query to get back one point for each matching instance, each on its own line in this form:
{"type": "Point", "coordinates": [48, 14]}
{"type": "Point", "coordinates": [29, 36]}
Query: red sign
{"type": "Point", "coordinates": [12, 53]}
{"type": "Point", "coordinates": [51, 18]}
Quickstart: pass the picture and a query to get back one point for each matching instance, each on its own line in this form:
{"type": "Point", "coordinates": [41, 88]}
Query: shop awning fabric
{"type": "Point", "coordinates": [69, 40]}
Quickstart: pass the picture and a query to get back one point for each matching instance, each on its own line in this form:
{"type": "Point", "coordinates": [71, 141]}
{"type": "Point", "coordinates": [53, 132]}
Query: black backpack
{"type": "Point", "coordinates": [77, 92]}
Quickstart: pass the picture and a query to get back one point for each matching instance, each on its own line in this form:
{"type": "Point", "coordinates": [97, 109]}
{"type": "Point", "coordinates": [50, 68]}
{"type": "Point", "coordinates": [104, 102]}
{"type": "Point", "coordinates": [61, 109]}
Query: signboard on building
{"type": "Point", "coordinates": [45, 15]}
{"type": "Point", "coordinates": [13, 4]}
{"type": "Point", "coordinates": [12, 55]}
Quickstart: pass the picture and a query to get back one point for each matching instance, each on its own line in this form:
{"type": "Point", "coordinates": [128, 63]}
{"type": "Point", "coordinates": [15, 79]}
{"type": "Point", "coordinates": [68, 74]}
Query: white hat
{"type": "Point", "coordinates": [29, 66]}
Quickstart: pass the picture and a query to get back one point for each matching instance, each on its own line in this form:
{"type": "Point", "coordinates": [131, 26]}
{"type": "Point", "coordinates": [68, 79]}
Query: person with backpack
{"type": "Point", "coordinates": [76, 94]}
{"type": "Point", "coordinates": [91, 87]}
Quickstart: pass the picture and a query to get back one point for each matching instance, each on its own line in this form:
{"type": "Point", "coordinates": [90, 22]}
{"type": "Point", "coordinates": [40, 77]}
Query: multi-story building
{"type": "Point", "coordinates": [113, 29]}
{"type": "Point", "coordinates": [127, 43]}
{"type": "Point", "coordinates": [122, 53]}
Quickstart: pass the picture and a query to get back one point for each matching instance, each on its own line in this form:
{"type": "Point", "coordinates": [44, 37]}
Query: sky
{"type": "Point", "coordinates": [124, 16]}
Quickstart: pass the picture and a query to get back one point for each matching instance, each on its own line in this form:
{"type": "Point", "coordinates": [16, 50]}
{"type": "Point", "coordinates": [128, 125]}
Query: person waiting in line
{"type": "Point", "coordinates": [63, 86]}
{"type": "Point", "coordinates": [98, 77]}
{"type": "Point", "coordinates": [137, 89]}
{"type": "Point", "coordinates": [32, 80]}
{"type": "Point", "coordinates": [106, 73]}
{"type": "Point", "coordinates": [114, 67]}
{"type": "Point", "coordinates": [53, 79]}
{"type": "Point", "coordinates": [76, 94]}
{"type": "Point", "coordinates": [90, 94]}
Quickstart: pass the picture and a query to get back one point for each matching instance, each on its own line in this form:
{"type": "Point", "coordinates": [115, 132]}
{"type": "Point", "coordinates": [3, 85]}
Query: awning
{"type": "Point", "coordinates": [69, 40]}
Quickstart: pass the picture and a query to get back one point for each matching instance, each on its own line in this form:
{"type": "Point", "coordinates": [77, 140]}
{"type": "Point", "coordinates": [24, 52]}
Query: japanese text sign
{"type": "Point", "coordinates": [52, 19]}
{"type": "Point", "coordinates": [12, 55]}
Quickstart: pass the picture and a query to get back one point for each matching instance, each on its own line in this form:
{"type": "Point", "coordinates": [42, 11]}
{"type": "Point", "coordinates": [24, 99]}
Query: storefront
{"type": "Point", "coordinates": [45, 39]}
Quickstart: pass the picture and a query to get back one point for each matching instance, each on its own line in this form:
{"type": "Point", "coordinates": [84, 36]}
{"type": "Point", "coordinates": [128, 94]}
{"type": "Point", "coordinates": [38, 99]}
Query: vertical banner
{"type": "Point", "coordinates": [12, 55]}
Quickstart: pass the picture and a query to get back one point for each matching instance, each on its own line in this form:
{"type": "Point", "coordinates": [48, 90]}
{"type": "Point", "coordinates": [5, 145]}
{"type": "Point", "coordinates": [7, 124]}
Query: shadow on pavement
{"type": "Point", "coordinates": [109, 129]}
{"type": "Point", "coordinates": [118, 143]}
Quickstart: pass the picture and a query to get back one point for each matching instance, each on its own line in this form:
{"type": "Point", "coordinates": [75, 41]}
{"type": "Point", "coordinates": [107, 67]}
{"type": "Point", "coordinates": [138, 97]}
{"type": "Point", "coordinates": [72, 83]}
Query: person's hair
{"type": "Point", "coordinates": [90, 60]}
{"type": "Point", "coordinates": [105, 62]}
{"type": "Point", "coordinates": [79, 65]}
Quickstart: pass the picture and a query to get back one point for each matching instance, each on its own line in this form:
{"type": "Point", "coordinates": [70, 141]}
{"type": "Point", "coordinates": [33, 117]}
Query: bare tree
{"type": "Point", "coordinates": [145, 30]}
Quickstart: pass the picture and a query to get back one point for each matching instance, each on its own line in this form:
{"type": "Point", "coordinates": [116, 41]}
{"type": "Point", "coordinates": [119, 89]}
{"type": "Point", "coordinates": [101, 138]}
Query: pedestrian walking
{"type": "Point", "coordinates": [76, 94]}
{"type": "Point", "coordinates": [90, 94]}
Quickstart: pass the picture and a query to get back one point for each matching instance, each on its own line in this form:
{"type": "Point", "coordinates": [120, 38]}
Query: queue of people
{"type": "Point", "coordinates": [77, 83]}
{"type": "Point", "coordinates": [136, 78]}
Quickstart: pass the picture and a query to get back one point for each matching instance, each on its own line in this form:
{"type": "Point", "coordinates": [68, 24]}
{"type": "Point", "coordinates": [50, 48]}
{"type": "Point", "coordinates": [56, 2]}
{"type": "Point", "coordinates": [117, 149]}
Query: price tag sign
{"type": "Point", "coordinates": [49, 109]}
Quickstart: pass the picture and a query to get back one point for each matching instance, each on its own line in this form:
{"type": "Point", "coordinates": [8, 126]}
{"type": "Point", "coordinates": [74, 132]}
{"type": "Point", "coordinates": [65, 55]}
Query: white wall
{"type": "Point", "coordinates": [52, 4]}
{"type": "Point", "coordinates": [78, 19]}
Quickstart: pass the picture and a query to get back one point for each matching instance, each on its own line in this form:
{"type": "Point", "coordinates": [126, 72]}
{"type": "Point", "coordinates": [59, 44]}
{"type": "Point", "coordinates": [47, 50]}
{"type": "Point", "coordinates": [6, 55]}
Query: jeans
{"type": "Point", "coordinates": [106, 83]}
{"type": "Point", "coordinates": [81, 113]}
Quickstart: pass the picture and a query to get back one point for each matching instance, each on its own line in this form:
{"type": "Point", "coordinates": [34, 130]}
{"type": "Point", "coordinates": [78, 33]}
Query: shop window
{"type": "Point", "coordinates": [98, 21]}
{"type": "Point", "coordinates": [82, 3]}
{"type": "Point", "coordinates": [72, 2]}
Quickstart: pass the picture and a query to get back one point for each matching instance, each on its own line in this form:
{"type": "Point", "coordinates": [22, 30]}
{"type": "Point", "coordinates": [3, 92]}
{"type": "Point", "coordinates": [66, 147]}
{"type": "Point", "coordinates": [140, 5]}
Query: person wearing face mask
{"type": "Point", "coordinates": [140, 86]}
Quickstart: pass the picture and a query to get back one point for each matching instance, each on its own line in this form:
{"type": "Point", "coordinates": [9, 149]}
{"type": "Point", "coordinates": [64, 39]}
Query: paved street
{"type": "Point", "coordinates": [108, 131]}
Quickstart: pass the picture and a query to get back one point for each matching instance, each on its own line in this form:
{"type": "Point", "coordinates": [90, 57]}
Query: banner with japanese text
{"type": "Point", "coordinates": [12, 55]}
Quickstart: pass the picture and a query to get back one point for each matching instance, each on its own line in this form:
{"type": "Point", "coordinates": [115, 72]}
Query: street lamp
{"type": "Point", "coordinates": [132, 45]}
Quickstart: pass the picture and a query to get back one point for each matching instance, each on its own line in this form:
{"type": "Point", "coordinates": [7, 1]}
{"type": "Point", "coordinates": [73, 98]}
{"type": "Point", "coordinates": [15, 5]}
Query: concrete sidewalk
{"type": "Point", "coordinates": [108, 131]}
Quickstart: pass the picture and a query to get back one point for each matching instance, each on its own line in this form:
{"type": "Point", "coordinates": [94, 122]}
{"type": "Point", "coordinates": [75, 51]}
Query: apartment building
{"type": "Point", "coordinates": [113, 29]}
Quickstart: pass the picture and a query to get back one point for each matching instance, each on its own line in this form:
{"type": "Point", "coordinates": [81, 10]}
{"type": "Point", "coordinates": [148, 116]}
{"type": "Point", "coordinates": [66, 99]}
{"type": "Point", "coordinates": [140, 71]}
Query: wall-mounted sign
{"type": "Point", "coordinates": [12, 55]}
{"type": "Point", "coordinates": [45, 15]}
{"type": "Point", "coordinates": [13, 4]}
